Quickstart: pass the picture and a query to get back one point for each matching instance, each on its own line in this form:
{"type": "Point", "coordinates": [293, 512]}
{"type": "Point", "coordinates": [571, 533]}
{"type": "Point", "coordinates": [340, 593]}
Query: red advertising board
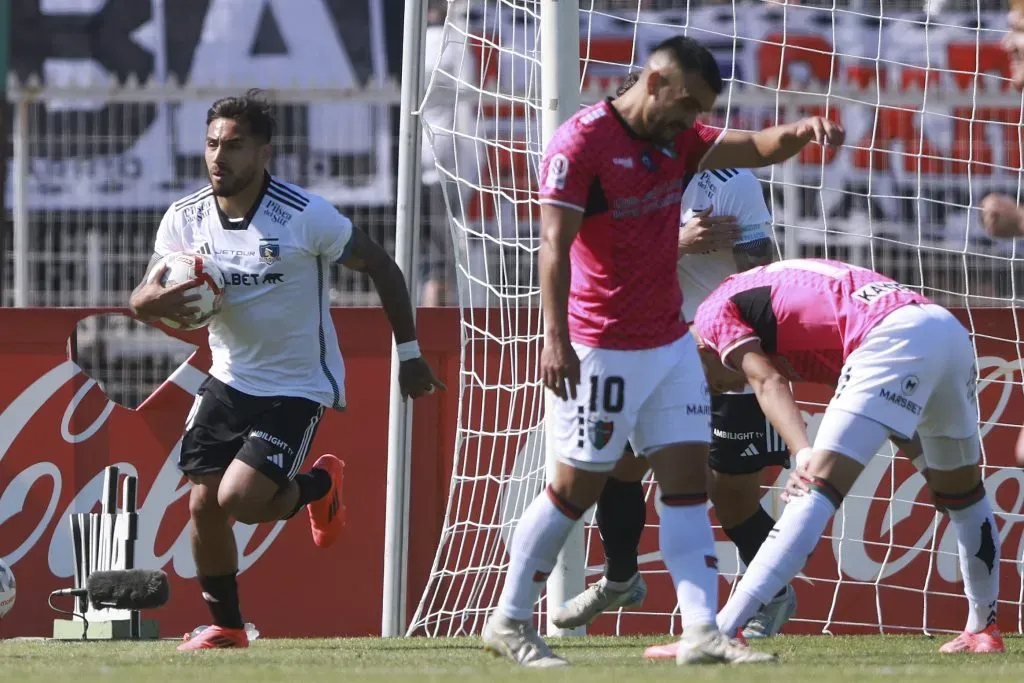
{"type": "Point", "coordinates": [58, 431]}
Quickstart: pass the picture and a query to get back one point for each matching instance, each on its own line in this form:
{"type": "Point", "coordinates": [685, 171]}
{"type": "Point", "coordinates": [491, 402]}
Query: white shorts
{"type": "Point", "coordinates": [914, 372]}
{"type": "Point", "coordinates": [650, 398]}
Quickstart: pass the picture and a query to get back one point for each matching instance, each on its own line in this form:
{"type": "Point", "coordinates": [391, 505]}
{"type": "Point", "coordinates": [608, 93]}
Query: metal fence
{"type": "Point", "coordinates": [74, 246]}
{"type": "Point", "coordinates": [84, 221]}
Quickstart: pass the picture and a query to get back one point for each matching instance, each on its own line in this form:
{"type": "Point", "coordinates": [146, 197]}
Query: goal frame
{"type": "Point", "coordinates": [560, 94]}
{"type": "Point", "coordinates": [407, 203]}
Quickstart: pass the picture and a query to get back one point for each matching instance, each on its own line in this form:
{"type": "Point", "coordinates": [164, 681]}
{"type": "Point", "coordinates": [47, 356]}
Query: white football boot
{"type": "Point", "coordinates": [518, 642]}
{"type": "Point", "coordinates": [772, 616]}
{"type": "Point", "coordinates": [597, 598]}
{"type": "Point", "coordinates": [711, 646]}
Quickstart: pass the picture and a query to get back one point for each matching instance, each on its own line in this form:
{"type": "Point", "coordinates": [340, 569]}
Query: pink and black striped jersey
{"type": "Point", "coordinates": [809, 314]}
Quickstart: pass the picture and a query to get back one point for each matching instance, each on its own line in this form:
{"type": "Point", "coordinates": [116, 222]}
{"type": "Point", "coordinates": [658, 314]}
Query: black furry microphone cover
{"type": "Point", "coordinates": [128, 589]}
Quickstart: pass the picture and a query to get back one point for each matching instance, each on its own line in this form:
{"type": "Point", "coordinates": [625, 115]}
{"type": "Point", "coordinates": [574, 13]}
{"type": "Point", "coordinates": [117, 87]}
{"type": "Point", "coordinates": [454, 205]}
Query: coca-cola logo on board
{"type": "Point", "coordinates": [863, 532]}
{"type": "Point", "coordinates": [50, 472]}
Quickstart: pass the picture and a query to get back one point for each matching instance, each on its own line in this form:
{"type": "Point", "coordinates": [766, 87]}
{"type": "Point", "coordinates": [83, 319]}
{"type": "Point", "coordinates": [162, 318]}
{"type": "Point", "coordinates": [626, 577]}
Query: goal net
{"type": "Point", "coordinates": [932, 127]}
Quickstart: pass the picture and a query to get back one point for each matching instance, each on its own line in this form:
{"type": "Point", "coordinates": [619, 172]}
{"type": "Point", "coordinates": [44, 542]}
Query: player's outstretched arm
{"type": "Point", "coordinates": [739, 149]}
{"type": "Point", "coordinates": [366, 256]}
{"type": "Point", "coordinates": [773, 393]}
{"type": "Point", "coordinates": [559, 364]}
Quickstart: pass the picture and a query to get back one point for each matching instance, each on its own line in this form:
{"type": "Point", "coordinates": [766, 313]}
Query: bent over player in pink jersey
{"type": "Point", "coordinates": [617, 359]}
{"type": "Point", "coordinates": [901, 366]}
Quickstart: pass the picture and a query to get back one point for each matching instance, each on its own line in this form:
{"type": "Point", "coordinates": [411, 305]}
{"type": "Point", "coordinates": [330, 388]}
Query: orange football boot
{"type": "Point", "coordinates": [987, 641]}
{"type": "Point", "coordinates": [666, 651]}
{"type": "Point", "coordinates": [214, 637]}
{"type": "Point", "coordinates": [327, 515]}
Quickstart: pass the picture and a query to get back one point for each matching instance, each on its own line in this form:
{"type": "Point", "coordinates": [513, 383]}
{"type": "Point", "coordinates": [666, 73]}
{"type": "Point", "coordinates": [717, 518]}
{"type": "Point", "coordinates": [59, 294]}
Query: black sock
{"type": "Point", "coordinates": [221, 595]}
{"type": "Point", "coordinates": [750, 534]}
{"type": "Point", "coordinates": [313, 485]}
{"type": "Point", "coordinates": [621, 515]}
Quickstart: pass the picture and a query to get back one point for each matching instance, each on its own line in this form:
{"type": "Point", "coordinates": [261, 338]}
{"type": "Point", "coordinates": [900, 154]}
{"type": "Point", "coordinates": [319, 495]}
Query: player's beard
{"type": "Point", "coordinates": [231, 185]}
{"type": "Point", "coordinates": [663, 134]}
{"type": "Point", "coordinates": [666, 129]}
{"type": "Point", "coordinates": [669, 133]}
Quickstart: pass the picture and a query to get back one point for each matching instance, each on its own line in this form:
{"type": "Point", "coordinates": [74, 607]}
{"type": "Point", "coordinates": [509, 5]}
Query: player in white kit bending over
{"type": "Point", "coordinates": [902, 366]}
{"type": "Point", "coordinates": [726, 228]}
{"type": "Point", "coordinates": [617, 359]}
{"type": "Point", "coordinates": [276, 362]}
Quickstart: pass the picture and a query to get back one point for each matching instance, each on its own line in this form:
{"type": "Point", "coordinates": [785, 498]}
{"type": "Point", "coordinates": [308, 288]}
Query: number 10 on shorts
{"type": "Point", "coordinates": [612, 393]}
{"type": "Point", "coordinates": [607, 397]}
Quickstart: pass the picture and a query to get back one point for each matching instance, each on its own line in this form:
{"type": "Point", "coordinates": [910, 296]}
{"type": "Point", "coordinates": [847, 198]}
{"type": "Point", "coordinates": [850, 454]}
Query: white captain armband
{"type": "Point", "coordinates": [408, 350]}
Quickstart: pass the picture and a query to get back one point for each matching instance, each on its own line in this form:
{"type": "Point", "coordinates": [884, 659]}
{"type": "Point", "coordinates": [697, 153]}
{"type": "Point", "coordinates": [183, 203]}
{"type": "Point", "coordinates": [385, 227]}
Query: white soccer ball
{"type": "Point", "coordinates": [183, 267]}
{"type": "Point", "coordinates": [7, 589]}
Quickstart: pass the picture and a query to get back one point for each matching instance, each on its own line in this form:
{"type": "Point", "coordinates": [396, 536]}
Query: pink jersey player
{"type": "Point", "coordinates": [809, 315]}
{"type": "Point", "coordinates": [624, 293]}
{"type": "Point", "coordinates": [903, 368]}
{"type": "Point", "coordinates": [617, 362]}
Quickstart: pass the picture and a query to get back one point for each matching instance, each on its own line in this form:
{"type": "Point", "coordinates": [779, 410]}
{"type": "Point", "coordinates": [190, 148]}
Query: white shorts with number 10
{"type": "Point", "coordinates": [650, 397]}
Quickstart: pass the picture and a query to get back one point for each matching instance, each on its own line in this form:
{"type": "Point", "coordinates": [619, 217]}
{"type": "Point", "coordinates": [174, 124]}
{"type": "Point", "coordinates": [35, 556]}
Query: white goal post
{"type": "Point", "coordinates": [396, 519]}
{"type": "Point", "coordinates": [932, 127]}
{"type": "Point", "coordinates": [560, 98]}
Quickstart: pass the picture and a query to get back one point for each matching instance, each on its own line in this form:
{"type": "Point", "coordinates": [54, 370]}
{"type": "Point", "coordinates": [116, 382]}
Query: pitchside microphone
{"type": "Point", "coordinates": [132, 589]}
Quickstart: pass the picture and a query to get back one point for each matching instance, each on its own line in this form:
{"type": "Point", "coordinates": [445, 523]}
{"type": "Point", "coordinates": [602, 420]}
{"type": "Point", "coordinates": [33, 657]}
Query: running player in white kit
{"type": "Point", "coordinates": [902, 366]}
{"type": "Point", "coordinates": [276, 364]}
{"type": "Point", "coordinates": [726, 228]}
{"type": "Point", "coordinates": [617, 359]}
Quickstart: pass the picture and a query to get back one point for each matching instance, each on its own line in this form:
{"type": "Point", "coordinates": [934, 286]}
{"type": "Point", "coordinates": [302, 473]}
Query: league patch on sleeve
{"type": "Point", "coordinates": [558, 171]}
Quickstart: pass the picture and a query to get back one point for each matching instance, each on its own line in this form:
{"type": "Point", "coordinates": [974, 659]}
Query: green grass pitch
{"type": "Point", "coordinates": [819, 659]}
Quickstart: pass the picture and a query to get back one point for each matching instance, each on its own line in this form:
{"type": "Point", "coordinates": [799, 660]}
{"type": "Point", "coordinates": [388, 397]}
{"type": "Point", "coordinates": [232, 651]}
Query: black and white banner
{"type": "Point", "coordinates": [94, 153]}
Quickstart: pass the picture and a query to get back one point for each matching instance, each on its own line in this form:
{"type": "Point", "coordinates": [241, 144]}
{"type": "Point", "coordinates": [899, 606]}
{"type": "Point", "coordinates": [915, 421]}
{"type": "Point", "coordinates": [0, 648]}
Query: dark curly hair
{"type": "Point", "coordinates": [252, 109]}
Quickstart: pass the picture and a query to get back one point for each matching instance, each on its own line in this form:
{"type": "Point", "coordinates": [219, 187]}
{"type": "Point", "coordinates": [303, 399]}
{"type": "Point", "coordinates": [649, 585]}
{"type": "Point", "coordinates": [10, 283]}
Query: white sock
{"type": "Point", "coordinates": [620, 586]}
{"type": "Point", "coordinates": [688, 550]}
{"type": "Point", "coordinates": [781, 557]}
{"type": "Point", "coordinates": [541, 533]}
{"type": "Point", "coordinates": [977, 542]}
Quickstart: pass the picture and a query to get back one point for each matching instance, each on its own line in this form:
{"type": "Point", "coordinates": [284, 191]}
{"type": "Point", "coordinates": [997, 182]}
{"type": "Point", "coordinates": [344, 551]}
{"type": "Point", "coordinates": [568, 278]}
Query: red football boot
{"type": "Point", "coordinates": [987, 641]}
{"type": "Point", "coordinates": [214, 637]}
{"type": "Point", "coordinates": [327, 515]}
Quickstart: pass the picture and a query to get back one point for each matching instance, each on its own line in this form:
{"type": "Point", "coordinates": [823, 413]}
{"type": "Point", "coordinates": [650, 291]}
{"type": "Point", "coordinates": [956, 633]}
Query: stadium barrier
{"type": "Point", "coordinates": [59, 431]}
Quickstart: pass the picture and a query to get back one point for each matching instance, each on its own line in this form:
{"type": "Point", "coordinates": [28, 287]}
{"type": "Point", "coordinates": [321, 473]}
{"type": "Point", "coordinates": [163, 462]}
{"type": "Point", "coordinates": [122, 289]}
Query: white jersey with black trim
{"type": "Point", "coordinates": [730, 192]}
{"type": "Point", "coordinates": [274, 335]}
